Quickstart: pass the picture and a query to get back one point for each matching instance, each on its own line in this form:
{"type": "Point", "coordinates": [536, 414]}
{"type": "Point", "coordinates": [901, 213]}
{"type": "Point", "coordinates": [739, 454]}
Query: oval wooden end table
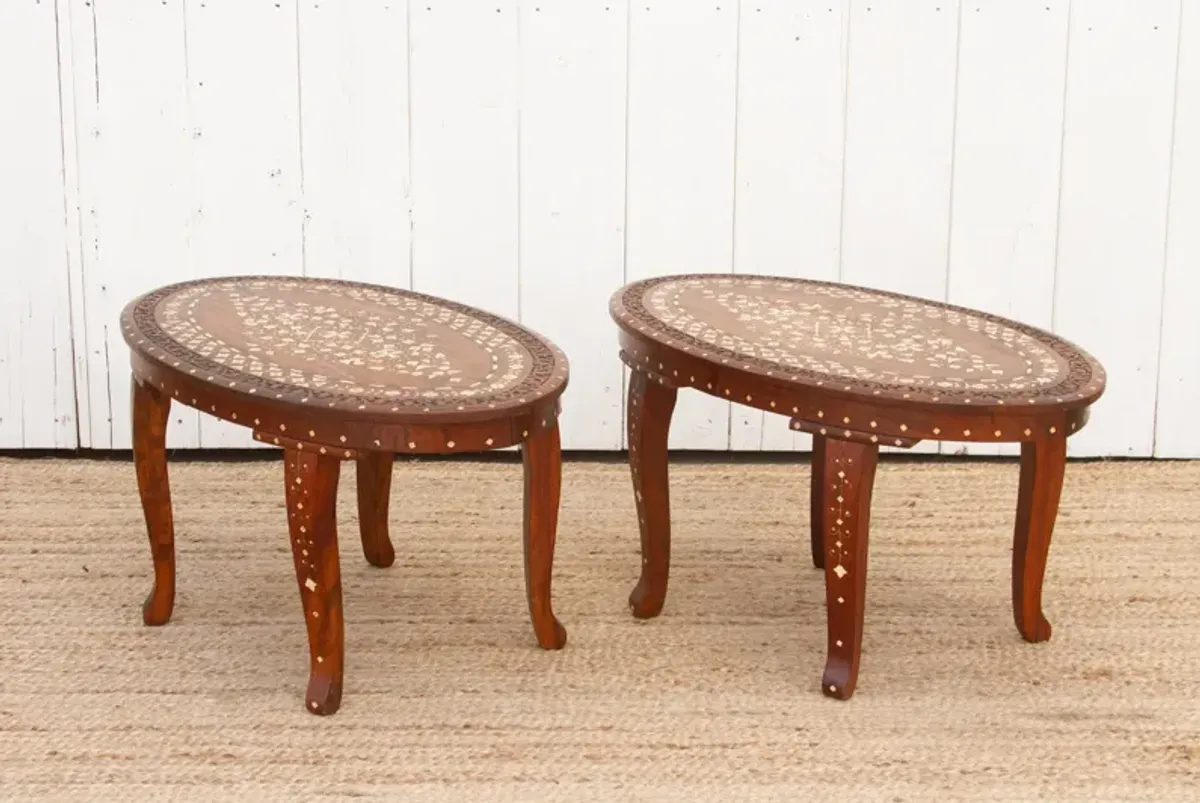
{"type": "Point", "coordinates": [856, 368]}
{"type": "Point", "coordinates": [332, 371]}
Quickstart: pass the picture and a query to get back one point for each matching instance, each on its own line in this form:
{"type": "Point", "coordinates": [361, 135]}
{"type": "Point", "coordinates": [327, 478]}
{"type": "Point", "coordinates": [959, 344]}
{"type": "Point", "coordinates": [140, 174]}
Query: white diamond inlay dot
{"type": "Point", "coordinates": [840, 571]}
{"type": "Point", "coordinates": [310, 584]}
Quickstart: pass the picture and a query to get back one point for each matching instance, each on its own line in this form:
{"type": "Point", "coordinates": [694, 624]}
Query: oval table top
{"type": "Point", "coordinates": [357, 349]}
{"type": "Point", "coordinates": [859, 341]}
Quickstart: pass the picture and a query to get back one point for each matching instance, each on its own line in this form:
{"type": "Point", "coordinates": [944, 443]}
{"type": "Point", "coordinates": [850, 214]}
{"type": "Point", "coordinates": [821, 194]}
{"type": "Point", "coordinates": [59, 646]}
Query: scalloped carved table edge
{"type": "Point", "coordinates": [229, 346]}
{"type": "Point", "coordinates": [698, 331]}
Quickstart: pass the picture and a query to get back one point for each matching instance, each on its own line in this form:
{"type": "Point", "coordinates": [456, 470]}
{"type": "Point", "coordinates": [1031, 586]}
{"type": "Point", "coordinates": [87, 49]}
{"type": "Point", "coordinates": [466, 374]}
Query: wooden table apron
{"type": "Point", "coordinates": [316, 439]}
{"type": "Point", "coordinates": [848, 426]}
{"type": "Point", "coordinates": [424, 434]}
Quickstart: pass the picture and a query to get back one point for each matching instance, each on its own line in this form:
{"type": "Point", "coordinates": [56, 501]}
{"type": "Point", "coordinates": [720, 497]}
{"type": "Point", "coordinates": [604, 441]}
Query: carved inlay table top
{"type": "Point", "coordinates": [353, 347]}
{"type": "Point", "coordinates": [861, 341]}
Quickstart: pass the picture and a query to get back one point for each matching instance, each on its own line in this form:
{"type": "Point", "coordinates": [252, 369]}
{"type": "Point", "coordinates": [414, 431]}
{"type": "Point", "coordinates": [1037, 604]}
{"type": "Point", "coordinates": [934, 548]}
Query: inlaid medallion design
{"type": "Point", "coordinates": [860, 338]}
{"type": "Point", "coordinates": [324, 341]}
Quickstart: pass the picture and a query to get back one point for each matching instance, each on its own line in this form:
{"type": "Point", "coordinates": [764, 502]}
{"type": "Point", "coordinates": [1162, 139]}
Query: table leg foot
{"type": "Point", "coordinates": [1043, 463]}
{"type": "Point", "coordinates": [151, 410]}
{"type": "Point", "coordinates": [541, 455]}
{"type": "Point", "coordinates": [649, 410]}
{"type": "Point", "coordinates": [848, 479]}
{"type": "Point", "coordinates": [839, 678]}
{"type": "Point", "coordinates": [312, 481]}
{"type": "Point", "coordinates": [374, 492]}
{"type": "Point", "coordinates": [324, 695]}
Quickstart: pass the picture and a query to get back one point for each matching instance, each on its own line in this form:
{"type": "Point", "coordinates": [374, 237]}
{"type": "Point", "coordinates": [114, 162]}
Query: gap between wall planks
{"type": "Point", "coordinates": [531, 156]}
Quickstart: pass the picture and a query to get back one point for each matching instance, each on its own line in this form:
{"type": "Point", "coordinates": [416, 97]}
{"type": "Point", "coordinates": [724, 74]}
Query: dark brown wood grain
{"type": "Point", "coordinates": [311, 482]}
{"type": "Point", "coordinates": [848, 478]}
{"type": "Point", "coordinates": [857, 369]}
{"type": "Point", "coordinates": [1043, 463]}
{"type": "Point", "coordinates": [648, 423]}
{"type": "Point", "coordinates": [151, 412]}
{"type": "Point", "coordinates": [374, 490]}
{"type": "Point", "coordinates": [542, 458]}
{"type": "Point", "coordinates": [332, 371]}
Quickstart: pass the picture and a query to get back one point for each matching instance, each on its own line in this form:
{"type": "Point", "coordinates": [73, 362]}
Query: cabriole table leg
{"type": "Point", "coordinates": [374, 476]}
{"type": "Point", "coordinates": [649, 423]}
{"type": "Point", "coordinates": [312, 481]}
{"type": "Point", "coordinates": [541, 455]}
{"type": "Point", "coordinates": [1043, 463]}
{"type": "Point", "coordinates": [849, 476]}
{"type": "Point", "coordinates": [151, 412]}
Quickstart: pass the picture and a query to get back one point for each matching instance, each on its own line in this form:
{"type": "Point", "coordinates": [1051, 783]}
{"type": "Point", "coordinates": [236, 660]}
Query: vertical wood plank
{"type": "Point", "coordinates": [1176, 433]}
{"type": "Point", "coordinates": [354, 134]}
{"type": "Point", "coordinates": [682, 127]}
{"type": "Point", "coordinates": [790, 139]}
{"type": "Point", "coordinates": [463, 99]}
{"type": "Point", "coordinates": [1008, 140]}
{"type": "Point", "coordinates": [242, 70]}
{"type": "Point", "coordinates": [133, 139]}
{"type": "Point", "coordinates": [900, 147]}
{"type": "Point", "coordinates": [1113, 214]}
{"type": "Point", "coordinates": [572, 157]}
{"type": "Point", "coordinates": [37, 388]}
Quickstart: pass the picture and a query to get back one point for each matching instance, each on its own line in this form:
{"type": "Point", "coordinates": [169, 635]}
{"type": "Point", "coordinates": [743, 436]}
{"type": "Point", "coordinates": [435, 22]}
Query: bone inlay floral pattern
{"type": "Point", "coordinates": [340, 342]}
{"type": "Point", "coordinates": [859, 337]}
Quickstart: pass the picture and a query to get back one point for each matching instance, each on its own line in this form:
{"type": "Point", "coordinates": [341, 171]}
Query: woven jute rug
{"type": "Point", "coordinates": [448, 699]}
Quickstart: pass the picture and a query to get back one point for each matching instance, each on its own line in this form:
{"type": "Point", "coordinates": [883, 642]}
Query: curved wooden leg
{"type": "Point", "coordinates": [817, 502]}
{"type": "Point", "coordinates": [542, 458]}
{"type": "Point", "coordinates": [151, 412]}
{"type": "Point", "coordinates": [649, 422]}
{"type": "Point", "coordinates": [849, 474]}
{"type": "Point", "coordinates": [312, 482]}
{"type": "Point", "coordinates": [374, 489]}
{"type": "Point", "coordinates": [1042, 465]}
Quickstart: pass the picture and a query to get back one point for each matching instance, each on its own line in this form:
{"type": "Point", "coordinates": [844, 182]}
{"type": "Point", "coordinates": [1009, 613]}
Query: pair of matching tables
{"type": "Point", "coordinates": [333, 371]}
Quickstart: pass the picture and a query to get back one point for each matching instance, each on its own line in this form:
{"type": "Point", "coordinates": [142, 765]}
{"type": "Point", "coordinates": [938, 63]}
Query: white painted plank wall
{"type": "Point", "coordinates": [37, 387]}
{"type": "Point", "coordinates": [1114, 190]}
{"type": "Point", "coordinates": [1034, 159]}
{"type": "Point", "coordinates": [1007, 149]}
{"type": "Point", "coordinates": [572, 200]}
{"type": "Point", "coordinates": [464, 86]}
{"type": "Point", "coordinates": [136, 188]}
{"type": "Point", "coordinates": [353, 78]}
{"type": "Point", "coordinates": [1178, 402]}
